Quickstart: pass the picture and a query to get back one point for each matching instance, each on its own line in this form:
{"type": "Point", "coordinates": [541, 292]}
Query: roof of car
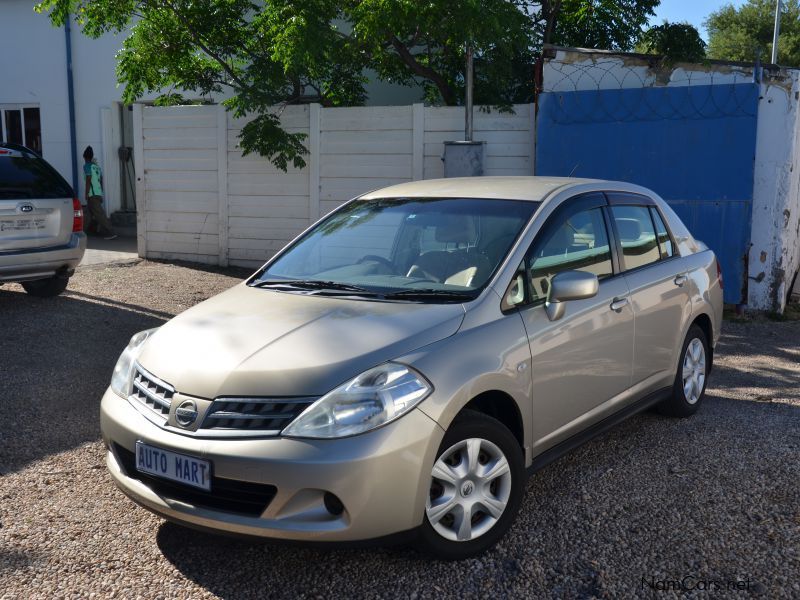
{"type": "Point", "coordinates": [16, 150]}
{"type": "Point", "coordinates": [505, 188]}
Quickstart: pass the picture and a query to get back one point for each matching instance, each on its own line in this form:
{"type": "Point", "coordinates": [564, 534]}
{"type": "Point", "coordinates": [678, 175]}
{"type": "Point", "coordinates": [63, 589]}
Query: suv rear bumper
{"type": "Point", "coordinates": [40, 263]}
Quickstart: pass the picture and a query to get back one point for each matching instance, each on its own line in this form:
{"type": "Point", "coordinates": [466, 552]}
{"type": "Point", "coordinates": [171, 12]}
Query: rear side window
{"type": "Point", "coordinates": [24, 177]}
{"type": "Point", "coordinates": [664, 240]}
{"type": "Point", "coordinates": [636, 235]}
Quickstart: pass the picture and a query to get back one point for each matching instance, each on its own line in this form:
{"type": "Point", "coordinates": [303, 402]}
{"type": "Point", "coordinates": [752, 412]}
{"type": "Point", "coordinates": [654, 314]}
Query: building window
{"type": "Point", "coordinates": [20, 124]}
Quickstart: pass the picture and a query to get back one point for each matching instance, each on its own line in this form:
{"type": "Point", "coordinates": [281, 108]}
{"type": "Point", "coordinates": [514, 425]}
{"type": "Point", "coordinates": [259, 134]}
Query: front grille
{"type": "Point", "coordinates": [151, 392]}
{"type": "Point", "coordinates": [254, 414]}
{"type": "Point", "coordinates": [226, 495]}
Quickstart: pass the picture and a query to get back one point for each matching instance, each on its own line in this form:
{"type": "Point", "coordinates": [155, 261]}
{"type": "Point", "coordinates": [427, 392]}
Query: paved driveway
{"type": "Point", "coordinates": [707, 500]}
{"type": "Point", "coordinates": [100, 251]}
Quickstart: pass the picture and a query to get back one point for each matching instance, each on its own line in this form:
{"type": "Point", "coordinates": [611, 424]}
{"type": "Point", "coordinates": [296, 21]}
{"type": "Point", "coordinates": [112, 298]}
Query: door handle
{"type": "Point", "coordinates": [618, 304]}
{"type": "Point", "coordinates": [680, 280]}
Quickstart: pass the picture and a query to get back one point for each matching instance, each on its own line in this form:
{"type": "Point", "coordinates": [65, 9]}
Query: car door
{"type": "Point", "coordinates": [658, 287]}
{"type": "Point", "coordinates": [583, 360]}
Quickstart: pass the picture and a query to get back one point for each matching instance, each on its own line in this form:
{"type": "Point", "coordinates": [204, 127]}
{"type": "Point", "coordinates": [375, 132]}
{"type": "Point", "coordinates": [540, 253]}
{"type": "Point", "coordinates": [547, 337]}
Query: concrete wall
{"type": "Point", "coordinates": [775, 233]}
{"type": "Point", "coordinates": [202, 201]}
{"type": "Point", "coordinates": [774, 253]}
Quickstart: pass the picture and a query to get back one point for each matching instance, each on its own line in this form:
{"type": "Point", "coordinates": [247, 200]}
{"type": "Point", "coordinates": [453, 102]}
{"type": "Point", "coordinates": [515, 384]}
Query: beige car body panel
{"type": "Point", "coordinates": [563, 376]}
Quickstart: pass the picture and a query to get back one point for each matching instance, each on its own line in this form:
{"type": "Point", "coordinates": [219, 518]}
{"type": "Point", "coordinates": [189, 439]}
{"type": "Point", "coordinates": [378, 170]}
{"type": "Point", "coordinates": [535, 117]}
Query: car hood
{"type": "Point", "coordinates": [259, 342]}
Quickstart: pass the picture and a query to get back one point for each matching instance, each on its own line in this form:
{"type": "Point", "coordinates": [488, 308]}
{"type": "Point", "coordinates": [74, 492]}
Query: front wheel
{"type": "Point", "coordinates": [690, 380]}
{"type": "Point", "coordinates": [46, 288]}
{"type": "Point", "coordinates": [476, 485]}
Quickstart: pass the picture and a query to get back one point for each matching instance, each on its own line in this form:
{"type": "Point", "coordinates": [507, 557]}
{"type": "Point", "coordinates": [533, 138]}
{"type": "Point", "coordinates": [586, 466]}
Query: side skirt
{"type": "Point", "coordinates": [552, 454]}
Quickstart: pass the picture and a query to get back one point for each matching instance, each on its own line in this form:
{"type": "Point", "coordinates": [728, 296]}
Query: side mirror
{"type": "Point", "coordinates": [569, 285]}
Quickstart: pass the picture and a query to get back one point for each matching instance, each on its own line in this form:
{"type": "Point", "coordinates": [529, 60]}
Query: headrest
{"type": "Point", "coordinates": [456, 228]}
{"type": "Point", "coordinates": [629, 229]}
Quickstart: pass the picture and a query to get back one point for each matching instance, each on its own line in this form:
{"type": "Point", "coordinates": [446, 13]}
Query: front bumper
{"type": "Point", "coordinates": [39, 263]}
{"type": "Point", "coordinates": [381, 477]}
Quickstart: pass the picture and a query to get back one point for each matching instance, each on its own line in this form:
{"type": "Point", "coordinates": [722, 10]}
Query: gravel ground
{"type": "Point", "coordinates": [714, 497]}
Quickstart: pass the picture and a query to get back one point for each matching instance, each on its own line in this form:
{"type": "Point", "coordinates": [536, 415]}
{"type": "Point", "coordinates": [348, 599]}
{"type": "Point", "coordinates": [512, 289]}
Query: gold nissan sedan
{"type": "Point", "coordinates": [403, 365]}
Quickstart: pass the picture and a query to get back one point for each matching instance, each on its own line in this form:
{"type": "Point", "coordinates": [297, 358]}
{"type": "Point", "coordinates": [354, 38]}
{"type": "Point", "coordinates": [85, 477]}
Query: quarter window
{"type": "Point", "coordinates": [578, 243]}
{"type": "Point", "coordinates": [637, 235]}
{"type": "Point", "coordinates": [664, 241]}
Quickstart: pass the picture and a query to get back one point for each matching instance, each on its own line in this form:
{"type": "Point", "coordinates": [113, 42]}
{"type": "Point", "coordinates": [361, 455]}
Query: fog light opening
{"type": "Point", "coordinates": [333, 505]}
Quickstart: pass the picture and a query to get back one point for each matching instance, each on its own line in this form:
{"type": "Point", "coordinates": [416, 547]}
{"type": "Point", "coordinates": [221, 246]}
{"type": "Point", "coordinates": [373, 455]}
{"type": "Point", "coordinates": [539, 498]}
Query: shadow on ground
{"type": "Point", "coordinates": [663, 492]}
{"type": "Point", "coordinates": [56, 358]}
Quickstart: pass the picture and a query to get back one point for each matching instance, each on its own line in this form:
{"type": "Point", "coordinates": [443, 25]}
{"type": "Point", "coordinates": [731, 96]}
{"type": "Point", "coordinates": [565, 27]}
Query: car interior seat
{"type": "Point", "coordinates": [462, 265]}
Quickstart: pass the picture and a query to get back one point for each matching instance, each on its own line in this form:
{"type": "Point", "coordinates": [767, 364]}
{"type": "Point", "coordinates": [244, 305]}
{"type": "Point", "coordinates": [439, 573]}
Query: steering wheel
{"type": "Point", "coordinates": [378, 259]}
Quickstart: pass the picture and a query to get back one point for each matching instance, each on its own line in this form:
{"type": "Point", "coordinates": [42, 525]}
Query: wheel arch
{"type": "Point", "coordinates": [501, 406]}
{"type": "Point", "coordinates": [704, 322]}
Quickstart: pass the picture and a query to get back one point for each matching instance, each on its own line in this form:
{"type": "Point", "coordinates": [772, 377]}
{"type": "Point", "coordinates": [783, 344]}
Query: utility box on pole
{"type": "Point", "coordinates": [463, 159]}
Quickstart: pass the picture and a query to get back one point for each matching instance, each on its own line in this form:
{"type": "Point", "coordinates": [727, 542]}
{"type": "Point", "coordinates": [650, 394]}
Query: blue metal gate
{"type": "Point", "coordinates": [693, 145]}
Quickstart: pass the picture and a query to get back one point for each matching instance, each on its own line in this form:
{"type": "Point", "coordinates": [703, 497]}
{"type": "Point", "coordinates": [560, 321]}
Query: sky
{"type": "Point", "coordinates": [692, 11]}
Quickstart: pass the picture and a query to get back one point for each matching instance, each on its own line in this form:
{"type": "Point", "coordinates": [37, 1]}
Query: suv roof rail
{"type": "Point", "coordinates": [19, 148]}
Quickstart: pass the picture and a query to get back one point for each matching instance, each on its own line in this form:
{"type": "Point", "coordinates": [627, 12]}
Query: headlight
{"type": "Point", "coordinates": [372, 399]}
{"type": "Point", "coordinates": [121, 378]}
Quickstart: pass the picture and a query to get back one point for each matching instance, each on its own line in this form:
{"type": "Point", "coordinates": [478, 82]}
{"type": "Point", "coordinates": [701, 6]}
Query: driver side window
{"type": "Point", "coordinates": [578, 241]}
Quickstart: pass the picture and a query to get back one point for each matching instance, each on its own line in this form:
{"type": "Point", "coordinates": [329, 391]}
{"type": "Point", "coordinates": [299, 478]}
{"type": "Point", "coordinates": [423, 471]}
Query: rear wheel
{"type": "Point", "coordinates": [46, 288]}
{"type": "Point", "coordinates": [690, 380]}
{"type": "Point", "coordinates": [475, 490]}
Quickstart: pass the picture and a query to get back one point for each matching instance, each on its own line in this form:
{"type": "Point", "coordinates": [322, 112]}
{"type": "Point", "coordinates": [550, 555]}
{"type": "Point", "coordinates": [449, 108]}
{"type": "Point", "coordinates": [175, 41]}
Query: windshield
{"type": "Point", "coordinates": [415, 248]}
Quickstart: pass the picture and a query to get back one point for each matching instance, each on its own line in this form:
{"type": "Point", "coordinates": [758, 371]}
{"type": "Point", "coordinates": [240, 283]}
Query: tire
{"type": "Point", "coordinates": [687, 394]}
{"type": "Point", "coordinates": [46, 288]}
{"type": "Point", "coordinates": [485, 438]}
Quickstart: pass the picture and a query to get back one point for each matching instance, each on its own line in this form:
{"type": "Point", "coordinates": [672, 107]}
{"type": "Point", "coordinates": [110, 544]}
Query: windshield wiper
{"type": "Point", "coordinates": [429, 294]}
{"type": "Point", "coordinates": [313, 284]}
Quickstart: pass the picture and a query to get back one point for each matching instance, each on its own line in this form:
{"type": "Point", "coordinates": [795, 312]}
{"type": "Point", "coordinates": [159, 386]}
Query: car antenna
{"type": "Point", "coordinates": [575, 168]}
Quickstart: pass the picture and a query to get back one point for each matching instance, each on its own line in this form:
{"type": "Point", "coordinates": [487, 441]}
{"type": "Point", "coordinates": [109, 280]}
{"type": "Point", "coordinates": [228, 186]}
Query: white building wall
{"type": "Point", "coordinates": [33, 70]}
{"type": "Point", "coordinates": [205, 202]}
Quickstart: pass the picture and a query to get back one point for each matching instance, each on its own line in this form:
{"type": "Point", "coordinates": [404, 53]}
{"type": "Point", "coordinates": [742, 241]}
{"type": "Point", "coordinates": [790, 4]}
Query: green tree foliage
{"type": "Point", "coordinates": [606, 24]}
{"type": "Point", "coordinates": [745, 33]}
{"type": "Point", "coordinates": [676, 42]}
{"type": "Point", "coordinates": [265, 54]}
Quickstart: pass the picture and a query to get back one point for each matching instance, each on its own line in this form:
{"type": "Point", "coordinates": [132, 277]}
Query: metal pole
{"type": "Point", "coordinates": [71, 105]}
{"type": "Point", "coordinates": [468, 98]}
{"type": "Point", "coordinates": [776, 32]}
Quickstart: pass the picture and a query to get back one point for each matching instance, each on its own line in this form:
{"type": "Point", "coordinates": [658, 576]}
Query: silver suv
{"type": "Point", "coordinates": [402, 364]}
{"type": "Point", "coordinates": [41, 223]}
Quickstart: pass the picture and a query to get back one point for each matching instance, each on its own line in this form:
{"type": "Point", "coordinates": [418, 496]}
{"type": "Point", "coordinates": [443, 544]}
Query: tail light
{"type": "Point", "coordinates": [719, 274]}
{"type": "Point", "coordinates": [77, 215]}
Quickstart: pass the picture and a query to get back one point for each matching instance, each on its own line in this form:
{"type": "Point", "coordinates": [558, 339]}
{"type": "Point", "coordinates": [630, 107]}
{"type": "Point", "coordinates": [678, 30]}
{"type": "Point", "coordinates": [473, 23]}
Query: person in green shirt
{"type": "Point", "coordinates": [94, 195]}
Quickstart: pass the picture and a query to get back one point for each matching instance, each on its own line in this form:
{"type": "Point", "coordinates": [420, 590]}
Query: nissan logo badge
{"type": "Point", "coordinates": [186, 413]}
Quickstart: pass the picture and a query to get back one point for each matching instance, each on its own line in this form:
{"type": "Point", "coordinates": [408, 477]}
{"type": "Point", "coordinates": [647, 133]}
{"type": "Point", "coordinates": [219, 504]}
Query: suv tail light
{"type": "Point", "coordinates": [77, 215]}
{"type": "Point", "coordinates": [719, 274]}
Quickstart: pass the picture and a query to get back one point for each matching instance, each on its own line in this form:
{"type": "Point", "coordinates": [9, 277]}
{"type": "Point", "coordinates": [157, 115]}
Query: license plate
{"type": "Point", "coordinates": [22, 224]}
{"type": "Point", "coordinates": [189, 470]}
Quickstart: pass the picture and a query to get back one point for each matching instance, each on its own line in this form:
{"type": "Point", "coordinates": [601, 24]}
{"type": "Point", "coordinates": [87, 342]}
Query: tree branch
{"type": "Point", "coordinates": [448, 95]}
{"type": "Point", "coordinates": [204, 47]}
